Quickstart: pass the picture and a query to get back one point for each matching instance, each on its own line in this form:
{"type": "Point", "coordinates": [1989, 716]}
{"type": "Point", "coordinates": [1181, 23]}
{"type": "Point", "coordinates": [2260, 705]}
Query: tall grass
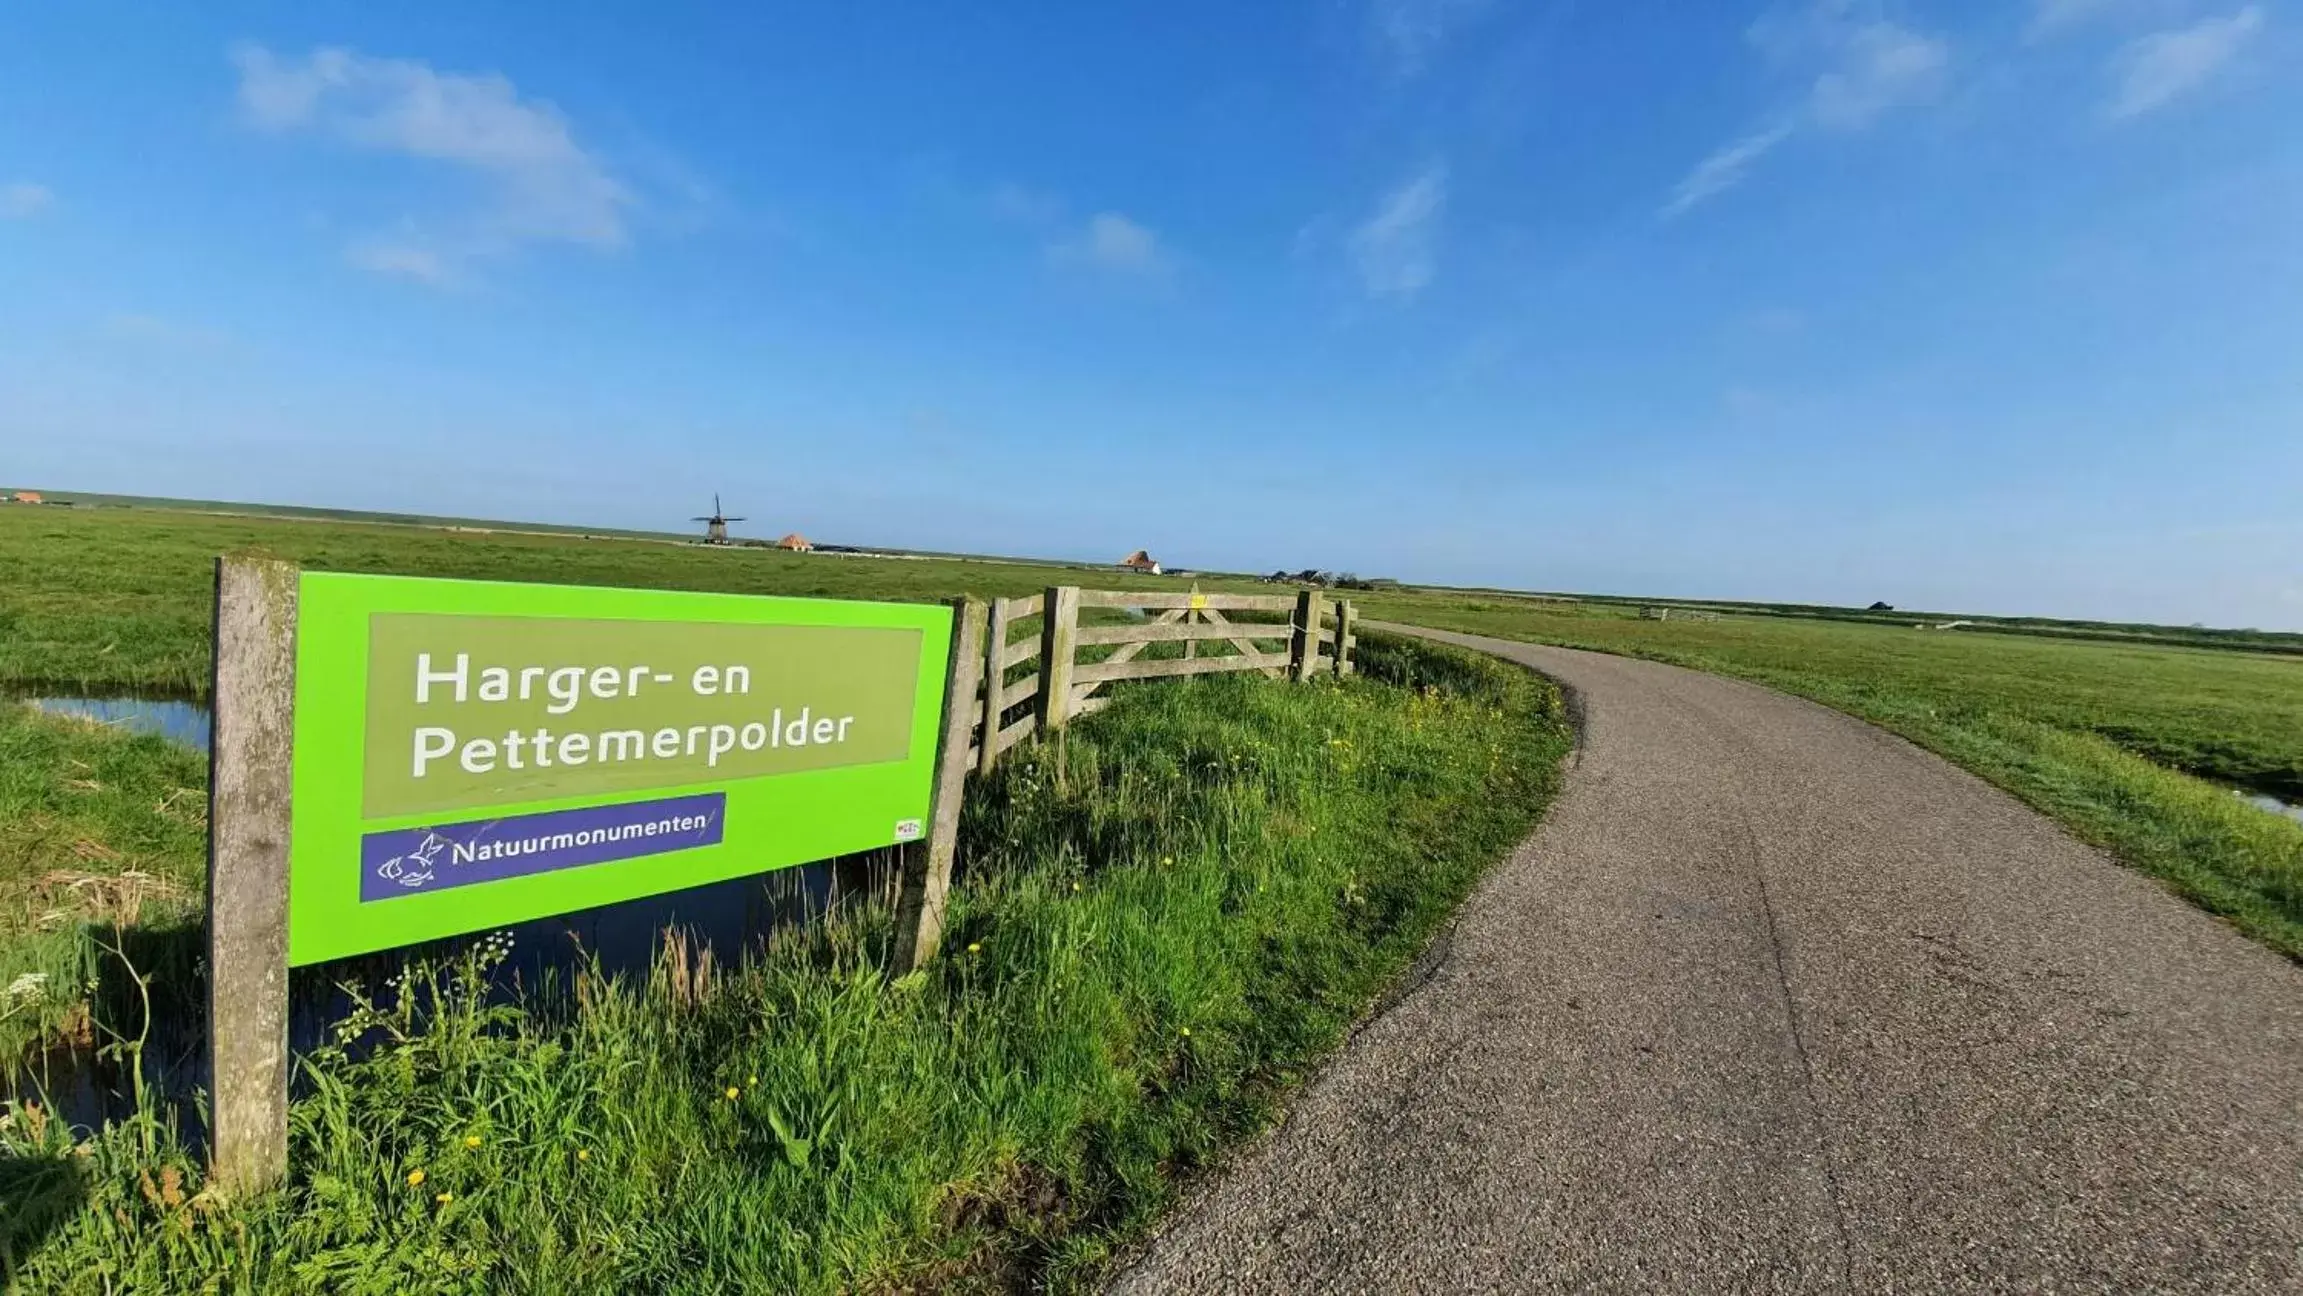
{"type": "Point", "coordinates": [100, 831]}
{"type": "Point", "coordinates": [1142, 959]}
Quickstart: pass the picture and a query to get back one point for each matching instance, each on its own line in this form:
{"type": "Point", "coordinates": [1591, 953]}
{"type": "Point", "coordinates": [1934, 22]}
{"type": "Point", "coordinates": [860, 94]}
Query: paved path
{"type": "Point", "coordinates": [1774, 1001]}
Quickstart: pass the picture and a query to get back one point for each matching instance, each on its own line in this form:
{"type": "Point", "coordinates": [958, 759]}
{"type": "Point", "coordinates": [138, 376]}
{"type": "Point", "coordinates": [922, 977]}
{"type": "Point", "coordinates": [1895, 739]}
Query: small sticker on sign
{"type": "Point", "coordinates": [908, 830]}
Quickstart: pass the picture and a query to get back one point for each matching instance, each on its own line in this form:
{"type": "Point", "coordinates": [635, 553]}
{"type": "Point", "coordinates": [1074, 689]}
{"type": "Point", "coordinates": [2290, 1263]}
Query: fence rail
{"type": "Point", "coordinates": [1188, 601]}
{"type": "Point", "coordinates": [990, 642]}
{"type": "Point", "coordinates": [1189, 619]}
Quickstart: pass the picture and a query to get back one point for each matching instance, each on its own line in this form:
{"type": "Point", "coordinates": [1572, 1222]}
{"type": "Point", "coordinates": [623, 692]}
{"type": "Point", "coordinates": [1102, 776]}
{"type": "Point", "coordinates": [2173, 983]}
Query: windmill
{"type": "Point", "coordinates": [716, 526]}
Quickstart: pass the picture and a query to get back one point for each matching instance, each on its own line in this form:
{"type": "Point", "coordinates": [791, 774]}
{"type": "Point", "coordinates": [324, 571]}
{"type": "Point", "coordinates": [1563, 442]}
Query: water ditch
{"type": "Point", "coordinates": [180, 720]}
{"type": "Point", "coordinates": [87, 1085]}
{"type": "Point", "coordinates": [2270, 803]}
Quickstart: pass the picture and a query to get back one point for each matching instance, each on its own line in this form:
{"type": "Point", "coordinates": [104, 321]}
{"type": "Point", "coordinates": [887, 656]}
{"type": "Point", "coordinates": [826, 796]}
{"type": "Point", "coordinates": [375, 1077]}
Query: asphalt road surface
{"type": "Point", "coordinates": [1775, 1001]}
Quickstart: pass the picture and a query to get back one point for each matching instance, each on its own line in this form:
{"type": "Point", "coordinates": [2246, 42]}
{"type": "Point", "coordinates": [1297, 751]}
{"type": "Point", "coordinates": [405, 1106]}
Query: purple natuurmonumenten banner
{"type": "Point", "coordinates": [410, 861]}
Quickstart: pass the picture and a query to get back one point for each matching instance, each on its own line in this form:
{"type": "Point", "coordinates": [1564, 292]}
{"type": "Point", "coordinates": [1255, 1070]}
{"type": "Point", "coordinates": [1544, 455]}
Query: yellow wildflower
{"type": "Point", "coordinates": [445, 1198]}
{"type": "Point", "coordinates": [583, 1154]}
{"type": "Point", "coordinates": [975, 948]}
{"type": "Point", "coordinates": [1187, 1032]}
{"type": "Point", "coordinates": [734, 1093]}
{"type": "Point", "coordinates": [415, 1177]}
{"type": "Point", "coordinates": [471, 1140]}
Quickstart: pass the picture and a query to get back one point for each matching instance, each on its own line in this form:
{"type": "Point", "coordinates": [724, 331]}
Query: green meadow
{"type": "Point", "coordinates": [2135, 747]}
{"type": "Point", "coordinates": [120, 598]}
{"type": "Point", "coordinates": [1146, 952]}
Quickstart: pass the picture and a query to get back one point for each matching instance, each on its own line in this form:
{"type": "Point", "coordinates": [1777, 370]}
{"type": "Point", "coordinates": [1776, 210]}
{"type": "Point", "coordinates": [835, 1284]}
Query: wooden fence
{"type": "Point", "coordinates": [1008, 686]}
{"type": "Point", "coordinates": [1315, 638]}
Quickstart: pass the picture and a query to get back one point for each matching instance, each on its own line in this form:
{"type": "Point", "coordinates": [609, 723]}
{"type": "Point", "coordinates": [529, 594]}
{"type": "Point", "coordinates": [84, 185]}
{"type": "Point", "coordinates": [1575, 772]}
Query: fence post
{"type": "Point", "coordinates": [928, 871]}
{"type": "Point", "coordinates": [251, 782]}
{"type": "Point", "coordinates": [995, 681]}
{"type": "Point", "coordinates": [1303, 642]}
{"type": "Point", "coordinates": [1345, 615]}
{"type": "Point", "coordinates": [1059, 640]}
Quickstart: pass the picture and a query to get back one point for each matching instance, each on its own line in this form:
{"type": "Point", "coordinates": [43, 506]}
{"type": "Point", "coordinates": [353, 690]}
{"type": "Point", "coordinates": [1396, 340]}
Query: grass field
{"type": "Point", "coordinates": [2128, 743]}
{"type": "Point", "coordinates": [119, 598]}
{"type": "Point", "coordinates": [2196, 636]}
{"type": "Point", "coordinates": [2133, 747]}
{"type": "Point", "coordinates": [99, 500]}
{"type": "Point", "coordinates": [1142, 957]}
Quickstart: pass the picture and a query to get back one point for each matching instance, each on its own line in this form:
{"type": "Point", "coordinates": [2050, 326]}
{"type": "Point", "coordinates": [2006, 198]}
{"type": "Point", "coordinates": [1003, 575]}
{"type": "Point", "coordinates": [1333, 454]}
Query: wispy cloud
{"type": "Point", "coordinates": [156, 331]}
{"type": "Point", "coordinates": [1396, 250]}
{"type": "Point", "coordinates": [23, 200]}
{"type": "Point", "coordinates": [1853, 64]}
{"type": "Point", "coordinates": [404, 260]}
{"type": "Point", "coordinates": [2154, 70]}
{"type": "Point", "coordinates": [542, 186]}
{"type": "Point", "coordinates": [1851, 68]}
{"type": "Point", "coordinates": [1025, 205]}
{"type": "Point", "coordinates": [1879, 66]}
{"type": "Point", "coordinates": [1743, 401]}
{"type": "Point", "coordinates": [1772, 322]}
{"type": "Point", "coordinates": [1408, 34]}
{"type": "Point", "coordinates": [1724, 169]}
{"type": "Point", "coordinates": [2054, 17]}
{"type": "Point", "coordinates": [1110, 241]}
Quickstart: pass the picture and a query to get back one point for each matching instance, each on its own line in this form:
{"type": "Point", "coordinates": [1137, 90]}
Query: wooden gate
{"type": "Point", "coordinates": [1316, 637]}
{"type": "Point", "coordinates": [1065, 668]}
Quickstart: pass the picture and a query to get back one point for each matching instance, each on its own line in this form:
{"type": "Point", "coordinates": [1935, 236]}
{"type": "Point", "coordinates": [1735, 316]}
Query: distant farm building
{"type": "Point", "coordinates": [1139, 561]}
{"type": "Point", "coordinates": [29, 497]}
{"type": "Point", "coordinates": [796, 543]}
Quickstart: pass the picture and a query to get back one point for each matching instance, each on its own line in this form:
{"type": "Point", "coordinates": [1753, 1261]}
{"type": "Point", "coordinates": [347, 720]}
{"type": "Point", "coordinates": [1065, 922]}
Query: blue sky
{"type": "Point", "coordinates": [1989, 307]}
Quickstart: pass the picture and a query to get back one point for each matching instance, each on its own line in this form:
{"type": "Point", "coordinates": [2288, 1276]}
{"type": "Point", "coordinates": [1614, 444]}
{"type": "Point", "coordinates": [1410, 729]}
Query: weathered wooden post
{"type": "Point", "coordinates": [996, 632]}
{"type": "Point", "coordinates": [1303, 641]}
{"type": "Point", "coordinates": [927, 877]}
{"type": "Point", "coordinates": [1059, 642]}
{"type": "Point", "coordinates": [1345, 616]}
{"type": "Point", "coordinates": [250, 781]}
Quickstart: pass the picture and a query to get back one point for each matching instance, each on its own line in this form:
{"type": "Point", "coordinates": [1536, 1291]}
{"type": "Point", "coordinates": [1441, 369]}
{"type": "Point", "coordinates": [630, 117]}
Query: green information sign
{"type": "Point", "coordinates": [470, 754]}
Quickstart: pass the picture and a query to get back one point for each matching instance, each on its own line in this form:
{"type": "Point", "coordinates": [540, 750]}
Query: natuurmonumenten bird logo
{"type": "Point", "coordinates": [414, 869]}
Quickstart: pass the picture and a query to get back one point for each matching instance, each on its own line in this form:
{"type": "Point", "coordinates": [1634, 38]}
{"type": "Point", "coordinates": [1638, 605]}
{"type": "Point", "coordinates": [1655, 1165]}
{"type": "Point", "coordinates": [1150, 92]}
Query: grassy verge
{"type": "Point", "coordinates": [1143, 959]}
{"type": "Point", "coordinates": [2132, 748]}
{"type": "Point", "coordinates": [100, 831]}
